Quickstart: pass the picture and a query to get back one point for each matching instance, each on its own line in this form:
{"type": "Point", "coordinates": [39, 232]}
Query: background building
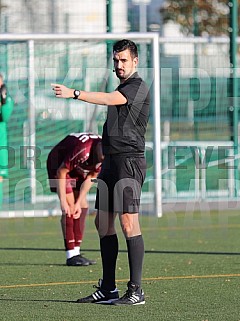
{"type": "Point", "coordinates": [58, 16]}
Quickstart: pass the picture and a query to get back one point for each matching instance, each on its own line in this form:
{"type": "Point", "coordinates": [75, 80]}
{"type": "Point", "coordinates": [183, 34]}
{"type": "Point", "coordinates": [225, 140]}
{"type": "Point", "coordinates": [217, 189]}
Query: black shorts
{"type": "Point", "coordinates": [119, 184]}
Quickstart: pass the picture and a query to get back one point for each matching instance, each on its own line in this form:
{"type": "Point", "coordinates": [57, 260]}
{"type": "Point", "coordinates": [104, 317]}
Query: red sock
{"type": "Point", "coordinates": [79, 227]}
{"type": "Point", "coordinates": [68, 232]}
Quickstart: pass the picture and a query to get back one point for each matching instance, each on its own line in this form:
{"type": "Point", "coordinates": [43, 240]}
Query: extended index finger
{"type": "Point", "coordinates": [56, 85]}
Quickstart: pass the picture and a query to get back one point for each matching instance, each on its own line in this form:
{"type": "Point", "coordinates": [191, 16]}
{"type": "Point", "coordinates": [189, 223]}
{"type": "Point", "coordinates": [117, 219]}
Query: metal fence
{"type": "Point", "coordinates": [191, 110]}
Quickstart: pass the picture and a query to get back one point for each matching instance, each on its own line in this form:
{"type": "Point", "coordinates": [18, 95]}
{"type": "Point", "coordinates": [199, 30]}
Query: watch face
{"type": "Point", "coordinates": [77, 93]}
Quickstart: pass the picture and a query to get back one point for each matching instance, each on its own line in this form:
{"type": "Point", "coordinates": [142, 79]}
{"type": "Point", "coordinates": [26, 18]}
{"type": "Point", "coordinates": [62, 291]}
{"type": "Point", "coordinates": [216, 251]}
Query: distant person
{"type": "Point", "coordinates": [122, 174]}
{"type": "Point", "coordinates": [6, 108]}
{"type": "Point", "coordinates": [71, 166]}
{"type": "Point", "coordinates": [3, 90]}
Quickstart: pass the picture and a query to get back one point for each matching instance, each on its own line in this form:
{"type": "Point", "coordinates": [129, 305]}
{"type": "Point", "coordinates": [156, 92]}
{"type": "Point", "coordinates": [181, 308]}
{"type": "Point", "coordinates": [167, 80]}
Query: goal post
{"type": "Point", "coordinates": [36, 56]}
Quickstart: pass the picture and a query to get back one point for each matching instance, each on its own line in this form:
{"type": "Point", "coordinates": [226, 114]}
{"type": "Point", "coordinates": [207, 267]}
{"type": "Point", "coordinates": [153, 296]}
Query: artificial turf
{"type": "Point", "coordinates": [191, 270]}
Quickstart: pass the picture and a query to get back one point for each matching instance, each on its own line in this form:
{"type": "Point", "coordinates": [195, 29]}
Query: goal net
{"type": "Point", "coordinates": [30, 63]}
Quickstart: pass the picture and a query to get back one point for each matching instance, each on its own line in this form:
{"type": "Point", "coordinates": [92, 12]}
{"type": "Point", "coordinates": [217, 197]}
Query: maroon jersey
{"type": "Point", "coordinates": [76, 152]}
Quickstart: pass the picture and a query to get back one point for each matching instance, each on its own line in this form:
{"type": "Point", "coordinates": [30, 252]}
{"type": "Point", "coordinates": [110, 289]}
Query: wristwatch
{"type": "Point", "coordinates": [76, 94]}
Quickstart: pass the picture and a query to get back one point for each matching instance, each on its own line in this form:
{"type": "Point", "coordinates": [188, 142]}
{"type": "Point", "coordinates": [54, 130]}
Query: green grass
{"type": "Point", "coordinates": [191, 270]}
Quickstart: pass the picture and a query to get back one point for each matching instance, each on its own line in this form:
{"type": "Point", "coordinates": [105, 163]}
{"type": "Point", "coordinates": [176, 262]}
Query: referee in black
{"type": "Point", "coordinates": [122, 174]}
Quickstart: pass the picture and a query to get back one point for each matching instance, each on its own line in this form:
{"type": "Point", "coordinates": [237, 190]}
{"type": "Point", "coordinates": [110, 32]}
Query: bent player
{"type": "Point", "coordinates": [71, 166]}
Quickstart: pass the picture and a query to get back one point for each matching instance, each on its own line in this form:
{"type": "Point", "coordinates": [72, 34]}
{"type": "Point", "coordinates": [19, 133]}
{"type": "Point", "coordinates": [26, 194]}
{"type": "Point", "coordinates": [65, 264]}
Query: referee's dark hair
{"type": "Point", "coordinates": [125, 44]}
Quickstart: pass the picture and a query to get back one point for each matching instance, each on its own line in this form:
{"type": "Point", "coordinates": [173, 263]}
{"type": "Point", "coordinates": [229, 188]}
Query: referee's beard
{"type": "Point", "coordinates": [123, 76]}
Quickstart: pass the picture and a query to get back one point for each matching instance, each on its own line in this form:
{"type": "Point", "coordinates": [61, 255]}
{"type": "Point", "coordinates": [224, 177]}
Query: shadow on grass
{"type": "Point", "coordinates": [31, 300]}
{"type": "Point", "coordinates": [33, 264]}
{"type": "Point", "coordinates": [48, 301]}
{"type": "Point", "coordinates": [120, 251]}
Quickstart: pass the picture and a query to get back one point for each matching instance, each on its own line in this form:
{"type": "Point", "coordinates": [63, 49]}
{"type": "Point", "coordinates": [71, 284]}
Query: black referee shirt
{"type": "Point", "coordinates": [125, 126]}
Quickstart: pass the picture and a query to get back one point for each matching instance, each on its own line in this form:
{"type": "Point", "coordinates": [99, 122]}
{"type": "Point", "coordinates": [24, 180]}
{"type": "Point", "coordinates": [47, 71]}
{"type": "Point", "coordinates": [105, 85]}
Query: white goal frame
{"type": "Point", "coordinates": [153, 38]}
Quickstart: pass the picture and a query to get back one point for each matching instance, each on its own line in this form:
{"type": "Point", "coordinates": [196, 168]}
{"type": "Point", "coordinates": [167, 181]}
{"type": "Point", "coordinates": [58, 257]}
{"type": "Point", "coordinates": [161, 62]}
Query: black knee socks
{"type": "Point", "coordinates": [109, 253]}
{"type": "Point", "coordinates": [135, 247]}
